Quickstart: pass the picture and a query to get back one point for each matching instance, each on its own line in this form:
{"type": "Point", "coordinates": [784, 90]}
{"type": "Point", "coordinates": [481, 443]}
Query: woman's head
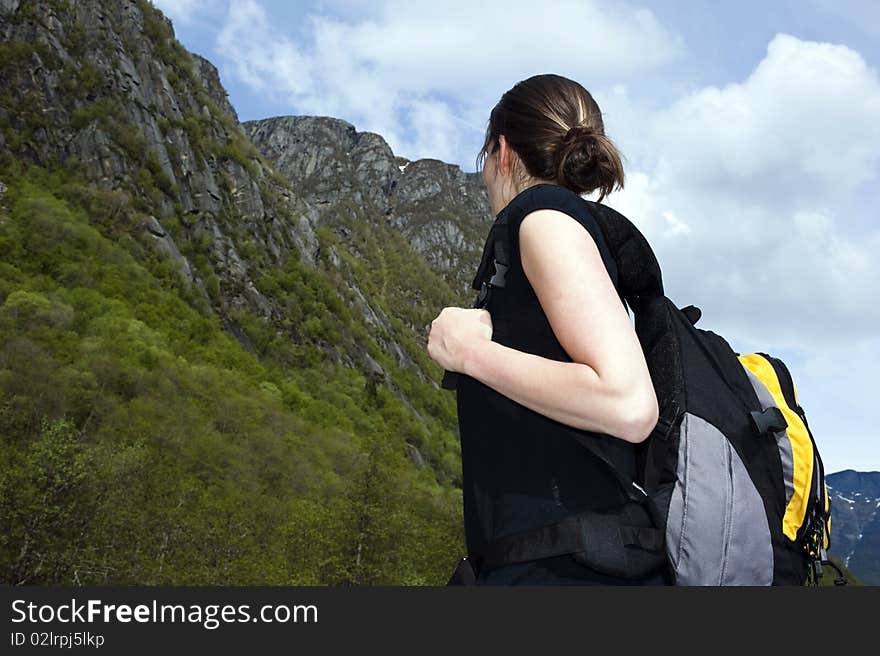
{"type": "Point", "coordinates": [556, 133]}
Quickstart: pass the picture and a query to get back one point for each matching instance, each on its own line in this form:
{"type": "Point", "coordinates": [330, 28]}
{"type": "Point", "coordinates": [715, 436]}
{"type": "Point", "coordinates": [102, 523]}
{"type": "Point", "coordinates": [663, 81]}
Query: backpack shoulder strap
{"type": "Point", "coordinates": [640, 275]}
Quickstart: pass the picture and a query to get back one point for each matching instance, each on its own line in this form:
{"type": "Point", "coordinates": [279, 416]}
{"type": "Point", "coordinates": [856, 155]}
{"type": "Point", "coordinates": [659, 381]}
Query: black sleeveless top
{"type": "Point", "coordinates": [521, 469]}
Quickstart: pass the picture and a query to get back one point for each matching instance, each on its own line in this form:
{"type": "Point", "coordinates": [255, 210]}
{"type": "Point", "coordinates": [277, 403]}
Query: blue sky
{"type": "Point", "coordinates": [750, 131]}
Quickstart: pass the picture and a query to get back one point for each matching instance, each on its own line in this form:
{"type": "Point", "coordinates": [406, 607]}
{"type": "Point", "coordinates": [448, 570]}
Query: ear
{"type": "Point", "coordinates": [505, 155]}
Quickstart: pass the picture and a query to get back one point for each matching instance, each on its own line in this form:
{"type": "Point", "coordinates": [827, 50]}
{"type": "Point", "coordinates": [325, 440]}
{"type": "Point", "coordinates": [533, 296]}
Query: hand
{"type": "Point", "coordinates": [455, 332]}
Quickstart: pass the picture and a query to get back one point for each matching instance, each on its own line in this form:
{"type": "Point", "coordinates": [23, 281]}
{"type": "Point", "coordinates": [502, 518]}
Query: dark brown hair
{"type": "Point", "coordinates": [555, 127]}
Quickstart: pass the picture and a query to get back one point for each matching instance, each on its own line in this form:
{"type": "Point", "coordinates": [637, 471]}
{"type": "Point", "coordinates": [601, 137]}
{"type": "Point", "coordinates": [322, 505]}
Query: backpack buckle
{"type": "Point", "coordinates": [768, 421]}
{"type": "Point", "coordinates": [497, 279]}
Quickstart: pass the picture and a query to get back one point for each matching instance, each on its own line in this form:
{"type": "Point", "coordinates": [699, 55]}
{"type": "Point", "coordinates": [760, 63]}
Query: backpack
{"type": "Point", "coordinates": [731, 476]}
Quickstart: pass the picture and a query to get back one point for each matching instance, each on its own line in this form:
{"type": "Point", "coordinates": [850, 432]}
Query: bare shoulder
{"type": "Point", "coordinates": [564, 267]}
{"type": "Point", "coordinates": [547, 214]}
{"type": "Point", "coordinates": [551, 230]}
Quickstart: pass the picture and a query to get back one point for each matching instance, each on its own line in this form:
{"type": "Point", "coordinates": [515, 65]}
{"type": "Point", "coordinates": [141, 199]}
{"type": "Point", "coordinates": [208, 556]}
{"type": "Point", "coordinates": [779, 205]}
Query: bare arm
{"type": "Point", "coordinates": [607, 388]}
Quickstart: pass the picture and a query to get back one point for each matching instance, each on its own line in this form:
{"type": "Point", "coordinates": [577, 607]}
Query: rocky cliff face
{"type": "Point", "coordinates": [109, 91]}
{"type": "Point", "coordinates": [441, 211]}
{"type": "Point", "coordinates": [855, 522]}
{"type": "Point", "coordinates": [104, 89]}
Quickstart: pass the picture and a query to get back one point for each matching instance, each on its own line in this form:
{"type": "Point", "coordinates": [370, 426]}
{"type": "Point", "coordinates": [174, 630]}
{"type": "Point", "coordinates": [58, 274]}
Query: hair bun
{"type": "Point", "coordinates": [586, 160]}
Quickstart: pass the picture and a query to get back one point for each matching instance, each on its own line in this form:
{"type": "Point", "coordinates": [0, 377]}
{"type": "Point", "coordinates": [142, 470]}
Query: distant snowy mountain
{"type": "Point", "coordinates": [855, 522]}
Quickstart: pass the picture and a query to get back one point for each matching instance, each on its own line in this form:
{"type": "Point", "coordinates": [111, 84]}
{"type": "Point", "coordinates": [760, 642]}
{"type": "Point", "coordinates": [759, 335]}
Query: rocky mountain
{"type": "Point", "coordinates": [440, 210]}
{"type": "Point", "coordinates": [428, 208]}
{"type": "Point", "coordinates": [855, 522]}
{"type": "Point", "coordinates": [152, 246]}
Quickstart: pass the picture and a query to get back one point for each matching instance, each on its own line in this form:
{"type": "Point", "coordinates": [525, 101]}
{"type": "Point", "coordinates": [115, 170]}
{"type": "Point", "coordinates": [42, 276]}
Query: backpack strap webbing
{"type": "Point", "coordinates": [490, 273]}
{"type": "Point", "coordinates": [616, 544]}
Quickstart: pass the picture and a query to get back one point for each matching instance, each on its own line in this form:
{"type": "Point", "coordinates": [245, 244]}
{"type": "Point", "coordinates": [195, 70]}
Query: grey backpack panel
{"type": "Point", "coordinates": [716, 530]}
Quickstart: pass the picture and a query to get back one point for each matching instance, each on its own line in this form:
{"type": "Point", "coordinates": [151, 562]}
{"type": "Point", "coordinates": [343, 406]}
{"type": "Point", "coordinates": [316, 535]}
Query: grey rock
{"type": "Point", "coordinates": [210, 78]}
{"type": "Point", "coordinates": [256, 299]}
{"type": "Point", "coordinates": [9, 6]}
{"type": "Point", "coordinates": [155, 229]}
{"type": "Point", "coordinates": [166, 245]}
{"type": "Point", "coordinates": [415, 456]}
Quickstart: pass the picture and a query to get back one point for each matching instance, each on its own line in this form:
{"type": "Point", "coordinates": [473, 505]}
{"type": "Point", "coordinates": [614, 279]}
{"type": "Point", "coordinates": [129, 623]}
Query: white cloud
{"type": "Point", "coordinates": [676, 225]}
{"type": "Point", "coordinates": [757, 171]}
{"type": "Point", "coordinates": [803, 126]}
{"type": "Point", "coordinates": [764, 173]}
{"type": "Point", "coordinates": [389, 71]}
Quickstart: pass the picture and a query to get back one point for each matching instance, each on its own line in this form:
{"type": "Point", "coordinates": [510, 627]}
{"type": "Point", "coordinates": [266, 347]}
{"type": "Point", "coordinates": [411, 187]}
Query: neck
{"type": "Point", "coordinates": [509, 192]}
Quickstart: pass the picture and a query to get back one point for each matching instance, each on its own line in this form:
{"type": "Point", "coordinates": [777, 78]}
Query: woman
{"type": "Point", "coordinates": [554, 352]}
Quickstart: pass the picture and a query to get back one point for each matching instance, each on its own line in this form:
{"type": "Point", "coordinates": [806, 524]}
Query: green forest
{"type": "Point", "coordinates": [141, 440]}
{"type": "Point", "coordinates": [143, 444]}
